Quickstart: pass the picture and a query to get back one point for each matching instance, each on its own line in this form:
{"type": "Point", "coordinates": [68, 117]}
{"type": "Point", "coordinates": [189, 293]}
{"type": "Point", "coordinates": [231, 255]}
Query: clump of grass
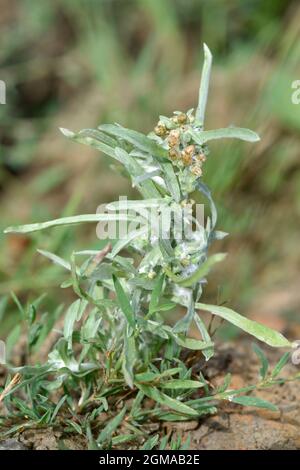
{"type": "Point", "coordinates": [116, 346]}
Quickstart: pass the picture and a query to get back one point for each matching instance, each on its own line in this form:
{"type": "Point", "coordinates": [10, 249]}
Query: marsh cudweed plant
{"type": "Point", "coordinates": [115, 341]}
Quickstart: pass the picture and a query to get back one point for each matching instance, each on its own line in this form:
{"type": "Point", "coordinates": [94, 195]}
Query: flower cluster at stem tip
{"type": "Point", "coordinates": [174, 133]}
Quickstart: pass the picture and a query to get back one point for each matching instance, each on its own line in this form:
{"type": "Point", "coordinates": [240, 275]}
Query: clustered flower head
{"type": "Point", "coordinates": [174, 134]}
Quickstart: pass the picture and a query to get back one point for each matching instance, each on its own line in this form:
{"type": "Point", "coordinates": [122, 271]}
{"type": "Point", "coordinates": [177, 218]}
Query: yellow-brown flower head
{"type": "Point", "coordinates": [174, 138]}
{"type": "Point", "coordinates": [181, 118]}
{"type": "Point", "coordinates": [185, 262]}
{"type": "Point", "coordinates": [160, 130]}
{"type": "Point", "coordinates": [196, 169]}
{"type": "Point", "coordinates": [173, 154]}
{"type": "Point", "coordinates": [201, 157]}
{"type": "Point", "coordinates": [187, 154]}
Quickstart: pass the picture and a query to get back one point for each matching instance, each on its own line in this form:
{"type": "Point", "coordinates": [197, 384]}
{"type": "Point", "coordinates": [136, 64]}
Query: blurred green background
{"type": "Point", "coordinates": [79, 63]}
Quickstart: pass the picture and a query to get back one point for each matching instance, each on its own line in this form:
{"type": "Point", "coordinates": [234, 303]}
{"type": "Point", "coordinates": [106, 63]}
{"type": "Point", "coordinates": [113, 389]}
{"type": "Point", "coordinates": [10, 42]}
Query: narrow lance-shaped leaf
{"type": "Point", "coordinates": [208, 353]}
{"type": "Point", "coordinates": [202, 137]}
{"type": "Point", "coordinates": [58, 407]}
{"type": "Point", "coordinates": [204, 190]}
{"type": "Point", "coordinates": [166, 249]}
{"type": "Point", "coordinates": [137, 139]}
{"type": "Point", "coordinates": [73, 220]}
{"type": "Point", "coordinates": [263, 360]}
{"type": "Point", "coordinates": [254, 401]}
{"type": "Point", "coordinates": [171, 180]}
{"type": "Point", "coordinates": [124, 302]}
{"type": "Point", "coordinates": [127, 204]}
{"type": "Point", "coordinates": [156, 293]}
{"type": "Point", "coordinates": [181, 384]}
{"type": "Point", "coordinates": [123, 242]}
{"type": "Point", "coordinates": [151, 442]}
{"type": "Point", "coordinates": [204, 85]}
{"type": "Point", "coordinates": [151, 376]}
{"type": "Point", "coordinates": [191, 343]}
{"type": "Point", "coordinates": [56, 259]}
{"type": "Point", "coordinates": [129, 357]}
{"type": "Point", "coordinates": [106, 433]}
{"type": "Point", "coordinates": [280, 364]}
{"type": "Point", "coordinates": [165, 400]}
{"type": "Point", "coordinates": [147, 187]}
{"type": "Point", "coordinates": [259, 331]}
{"type": "Point", "coordinates": [224, 386]}
{"type": "Point", "coordinates": [146, 176]}
{"type": "Point", "coordinates": [82, 138]}
{"type": "Point", "coordinates": [100, 136]}
{"type": "Point", "coordinates": [184, 323]}
{"type": "Point", "coordinates": [106, 144]}
{"type": "Point", "coordinates": [74, 314]}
